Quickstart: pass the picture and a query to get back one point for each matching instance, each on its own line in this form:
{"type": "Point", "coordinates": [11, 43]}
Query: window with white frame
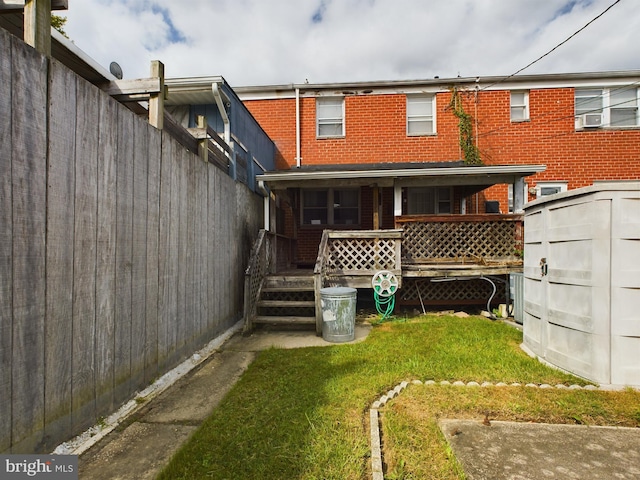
{"type": "Point", "coordinates": [519, 106]}
{"type": "Point", "coordinates": [420, 115]}
{"type": "Point", "coordinates": [331, 206]}
{"type": "Point", "coordinates": [607, 107]}
{"type": "Point", "coordinates": [330, 117]}
{"type": "Point", "coordinates": [623, 107]}
{"type": "Point", "coordinates": [588, 101]}
{"type": "Point", "coordinates": [428, 200]}
{"type": "Point", "coordinates": [550, 188]}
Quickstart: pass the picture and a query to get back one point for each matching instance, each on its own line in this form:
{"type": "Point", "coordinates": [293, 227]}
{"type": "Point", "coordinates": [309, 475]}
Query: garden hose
{"type": "Point", "coordinates": [384, 284]}
{"type": "Point", "coordinates": [384, 305]}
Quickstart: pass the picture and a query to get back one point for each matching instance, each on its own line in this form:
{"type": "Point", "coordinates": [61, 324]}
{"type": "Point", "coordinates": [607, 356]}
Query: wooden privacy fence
{"type": "Point", "coordinates": [121, 252]}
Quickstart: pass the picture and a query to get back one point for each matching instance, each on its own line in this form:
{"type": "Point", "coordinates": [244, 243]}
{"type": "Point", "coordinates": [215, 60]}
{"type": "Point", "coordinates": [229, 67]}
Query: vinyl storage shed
{"type": "Point", "coordinates": [582, 282]}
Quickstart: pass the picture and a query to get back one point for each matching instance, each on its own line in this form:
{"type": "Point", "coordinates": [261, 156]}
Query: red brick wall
{"type": "Point", "coordinates": [278, 119]}
{"type": "Point", "coordinates": [375, 128]}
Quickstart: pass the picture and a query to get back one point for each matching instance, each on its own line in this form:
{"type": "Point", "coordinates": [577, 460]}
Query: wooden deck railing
{"type": "Point", "coordinates": [480, 239]}
{"type": "Point", "coordinates": [270, 253]}
{"type": "Point", "coordinates": [423, 246]}
{"type": "Point", "coordinates": [352, 257]}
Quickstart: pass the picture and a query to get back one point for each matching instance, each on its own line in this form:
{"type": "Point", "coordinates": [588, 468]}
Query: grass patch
{"type": "Point", "coordinates": [415, 445]}
{"type": "Point", "coordinates": [302, 414]}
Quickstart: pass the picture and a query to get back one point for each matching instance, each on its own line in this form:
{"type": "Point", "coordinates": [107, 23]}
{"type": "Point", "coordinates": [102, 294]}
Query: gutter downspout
{"type": "Point", "coordinates": [223, 112]}
{"type": "Point", "coordinates": [298, 158]}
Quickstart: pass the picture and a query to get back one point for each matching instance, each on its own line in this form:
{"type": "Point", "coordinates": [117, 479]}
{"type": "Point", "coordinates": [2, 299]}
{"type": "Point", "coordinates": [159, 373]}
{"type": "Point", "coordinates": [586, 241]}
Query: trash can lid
{"type": "Point", "coordinates": [337, 291]}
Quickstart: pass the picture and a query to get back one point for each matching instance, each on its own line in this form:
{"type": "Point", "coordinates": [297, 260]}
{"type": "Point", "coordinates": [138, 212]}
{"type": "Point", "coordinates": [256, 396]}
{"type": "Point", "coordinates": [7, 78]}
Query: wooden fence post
{"type": "Point", "coordinates": [203, 143]}
{"type": "Point", "coordinates": [156, 101]}
{"type": "Point", "coordinates": [37, 25]}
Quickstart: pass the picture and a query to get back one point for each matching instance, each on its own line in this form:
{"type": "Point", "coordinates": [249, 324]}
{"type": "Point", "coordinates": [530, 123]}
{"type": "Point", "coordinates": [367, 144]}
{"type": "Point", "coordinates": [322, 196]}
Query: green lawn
{"type": "Point", "coordinates": [303, 413]}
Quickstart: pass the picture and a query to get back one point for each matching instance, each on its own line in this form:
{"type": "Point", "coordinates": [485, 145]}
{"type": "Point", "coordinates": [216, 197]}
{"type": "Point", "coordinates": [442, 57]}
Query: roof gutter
{"type": "Point", "coordinates": [290, 175]}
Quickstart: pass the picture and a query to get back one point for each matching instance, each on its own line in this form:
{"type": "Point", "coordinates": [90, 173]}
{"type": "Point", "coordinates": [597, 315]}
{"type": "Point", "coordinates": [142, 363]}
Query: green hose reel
{"type": "Point", "coordinates": [385, 285]}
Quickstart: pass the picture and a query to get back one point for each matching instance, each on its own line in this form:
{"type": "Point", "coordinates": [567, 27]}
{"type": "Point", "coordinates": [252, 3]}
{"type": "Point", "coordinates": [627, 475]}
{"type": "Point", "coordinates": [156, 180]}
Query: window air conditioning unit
{"type": "Point", "coordinates": [591, 120]}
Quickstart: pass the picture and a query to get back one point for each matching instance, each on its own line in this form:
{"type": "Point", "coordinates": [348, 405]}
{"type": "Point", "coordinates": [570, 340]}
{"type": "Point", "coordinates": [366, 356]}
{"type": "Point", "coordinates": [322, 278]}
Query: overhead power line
{"type": "Point", "coordinates": [557, 46]}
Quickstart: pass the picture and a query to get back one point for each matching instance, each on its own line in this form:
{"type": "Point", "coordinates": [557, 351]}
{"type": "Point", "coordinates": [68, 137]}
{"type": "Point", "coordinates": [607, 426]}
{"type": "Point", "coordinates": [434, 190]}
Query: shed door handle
{"type": "Point", "coordinates": [544, 268]}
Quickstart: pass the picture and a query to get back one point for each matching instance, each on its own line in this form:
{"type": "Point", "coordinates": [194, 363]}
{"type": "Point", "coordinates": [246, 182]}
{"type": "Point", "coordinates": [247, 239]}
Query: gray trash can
{"type": "Point", "coordinates": [338, 314]}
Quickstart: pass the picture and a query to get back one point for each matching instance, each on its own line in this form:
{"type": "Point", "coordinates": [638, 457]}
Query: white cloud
{"type": "Point", "coordinates": [277, 41]}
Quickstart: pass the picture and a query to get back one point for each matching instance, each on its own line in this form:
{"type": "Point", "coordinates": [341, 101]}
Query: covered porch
{"type": "Point", "coordinates": [421, 250]}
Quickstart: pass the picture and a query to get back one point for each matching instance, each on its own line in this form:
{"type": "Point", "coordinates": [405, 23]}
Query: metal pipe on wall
{"type": "Point", "coordinates": [298, 158]}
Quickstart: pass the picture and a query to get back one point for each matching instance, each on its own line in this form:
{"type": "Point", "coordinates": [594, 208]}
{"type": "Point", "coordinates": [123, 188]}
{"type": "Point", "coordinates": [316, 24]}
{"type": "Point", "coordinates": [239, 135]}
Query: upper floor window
{"type": "Point", "coordinates": [420, 115]}
{"type": "Point", "coordinates": [330, 117]}
{"type": "Point", "coordinates": [588, 101]}
{"type": "Point", "coordinates": [331, 206]}
{"type": "Point", "coordinates": [606, 107]}
{"type": "Point", "coordinates": [623, 104]}
{"type": "Point", "coordinates": [519, 106]}
{"type": "Point", "coordinates": [428, 200]}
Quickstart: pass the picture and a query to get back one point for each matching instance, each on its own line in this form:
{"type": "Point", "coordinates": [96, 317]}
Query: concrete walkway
{"type": "Point", "coordinates": [145, 442]}
{"type": "Point", "coordinates": [141, 446]}
{"type": "Point", "coordinates": [535, 451]}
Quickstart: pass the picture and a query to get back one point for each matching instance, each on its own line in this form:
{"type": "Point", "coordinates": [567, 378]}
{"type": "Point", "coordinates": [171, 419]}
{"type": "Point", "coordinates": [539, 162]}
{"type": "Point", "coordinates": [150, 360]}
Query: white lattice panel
{"type": "Point", "coordinates": [449, 293]}
{"type": "Point", "coordinates": [424, 241]}
{"type": "Point", "coordinates": [362, 254]}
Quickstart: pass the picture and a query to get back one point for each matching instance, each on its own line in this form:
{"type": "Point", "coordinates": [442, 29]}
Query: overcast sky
{"type": "Point", "coordinates": [263, 42]}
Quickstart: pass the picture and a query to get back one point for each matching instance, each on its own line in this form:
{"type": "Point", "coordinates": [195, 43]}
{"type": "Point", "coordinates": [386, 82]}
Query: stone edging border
{"type": "Point", "coordinates": [374, 416]}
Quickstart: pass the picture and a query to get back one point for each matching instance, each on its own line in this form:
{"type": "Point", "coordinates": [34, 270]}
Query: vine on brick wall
{"type": "Point", "coordinates": [470, 150]}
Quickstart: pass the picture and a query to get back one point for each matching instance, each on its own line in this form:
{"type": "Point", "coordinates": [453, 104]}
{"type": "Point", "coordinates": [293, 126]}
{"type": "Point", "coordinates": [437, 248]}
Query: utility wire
{"type": "Point", "coordinates": [556, 47]}
{"type": "Point", "coordinates": [612, 91]}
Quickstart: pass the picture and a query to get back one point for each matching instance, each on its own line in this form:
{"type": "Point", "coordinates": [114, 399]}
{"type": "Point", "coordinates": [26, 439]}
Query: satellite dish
{"type": "Point", "coordinates": [115, 70]}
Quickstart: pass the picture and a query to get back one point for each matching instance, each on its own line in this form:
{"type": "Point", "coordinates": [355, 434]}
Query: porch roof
{"type": "Point", "coordinates": [397, 174]}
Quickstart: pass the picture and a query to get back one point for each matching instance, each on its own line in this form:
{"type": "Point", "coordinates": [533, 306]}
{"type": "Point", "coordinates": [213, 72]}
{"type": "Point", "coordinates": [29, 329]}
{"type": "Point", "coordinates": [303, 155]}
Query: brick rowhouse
{"type": "Point", "coordinates": [375, 132]}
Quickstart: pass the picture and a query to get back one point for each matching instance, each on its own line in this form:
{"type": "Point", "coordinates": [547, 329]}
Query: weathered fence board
{"type": "Point", "coordinates": [151, 293]}
{"type": "Point", "coordinates": [84, 264]}
{"type": "Point", "coordinates": [182, 318]}
{"type": "Point", "coordinates": [139, 255]}
{"type": "Point", "coordinates": [232, 232]}
{"type": "Point", "coordinates": [174, 255]}
{"type": "Point", "coordinates": [200, 310]}
{"type": "Point", "coordinates": [29, 157]}
{"type": "Point", "coordinates": [120, 251]}
{"type": "Point", "coordinates": [124, 252]}
{"type": "Point", "coordinates": [60, 243]}
{"type": "Point", "coordinates": [213, 239]}
{"type": "Point", "coordinates": [106, 256]}
{"type": "Point", "coordinates": [166, 266]}
{"type": "Point", "coordinates": [6, 240]}
{"type": "Point", "coordinates": [190, 248]}
{"type": "Point", "coordinates": [205, 259]}
{"type": "Point", "coordinates": [221, 271]}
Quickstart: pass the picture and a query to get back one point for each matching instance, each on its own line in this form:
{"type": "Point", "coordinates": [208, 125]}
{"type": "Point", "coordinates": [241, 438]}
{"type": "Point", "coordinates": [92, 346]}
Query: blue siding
{"type": "Point", "coordinates": [214, 119]}
{"type": "Point", "coordinates": [244, 127]}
